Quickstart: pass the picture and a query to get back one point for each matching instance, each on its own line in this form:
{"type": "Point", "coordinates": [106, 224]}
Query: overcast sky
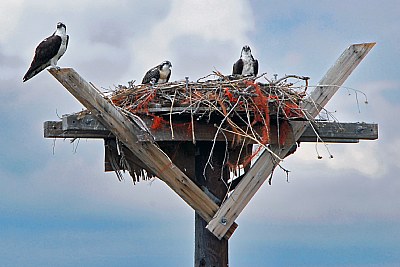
{"type": "Point", "coordinates": [58, 207]}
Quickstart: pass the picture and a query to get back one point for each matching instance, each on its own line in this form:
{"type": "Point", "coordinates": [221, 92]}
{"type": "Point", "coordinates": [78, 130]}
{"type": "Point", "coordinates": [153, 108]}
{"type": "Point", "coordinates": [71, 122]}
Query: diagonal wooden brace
{"type": "Point", "coordinates": [266, 163]}
{"type": "Point", "coordinates": [127, 132]}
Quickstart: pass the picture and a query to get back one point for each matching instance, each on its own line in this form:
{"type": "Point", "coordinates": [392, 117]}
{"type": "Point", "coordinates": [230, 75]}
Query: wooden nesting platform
{"type": "Point", "coordinates": [241, 113]}
{"type": "Point", "coordinates": [87, 126]}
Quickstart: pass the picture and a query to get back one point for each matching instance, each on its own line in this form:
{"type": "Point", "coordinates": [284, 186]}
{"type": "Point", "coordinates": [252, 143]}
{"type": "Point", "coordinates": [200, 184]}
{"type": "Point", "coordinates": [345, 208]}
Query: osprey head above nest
{"type": "Point", "coordinates": [159, 74]}
{"type": "Point", "coordinates": [246, 65]}
{"type": "Point", "coordinates": [49, 51]}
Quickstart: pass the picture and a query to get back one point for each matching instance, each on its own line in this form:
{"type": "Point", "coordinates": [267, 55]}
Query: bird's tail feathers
{"type": "Point", "coordinates": [32, 72]}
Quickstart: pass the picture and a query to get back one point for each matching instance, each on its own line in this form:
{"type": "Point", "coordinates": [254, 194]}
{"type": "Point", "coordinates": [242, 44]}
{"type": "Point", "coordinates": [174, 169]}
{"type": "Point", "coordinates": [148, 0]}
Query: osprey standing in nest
{"type": "Point", "coordinates": [49, 51]}
{"type": "Point", "coordinates": [246, 65]}
{"type": "Point", "coordinates": [158, 74]}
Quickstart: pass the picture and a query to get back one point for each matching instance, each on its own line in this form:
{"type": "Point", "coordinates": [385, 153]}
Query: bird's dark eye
{"type": "Point", "coordinates": [60, 25]}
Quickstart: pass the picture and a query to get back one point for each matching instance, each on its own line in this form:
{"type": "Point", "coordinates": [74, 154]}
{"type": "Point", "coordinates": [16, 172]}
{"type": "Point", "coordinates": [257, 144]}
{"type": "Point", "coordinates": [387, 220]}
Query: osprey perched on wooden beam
{"type": "Point", "coordinates": [246, 65]}
{"type": "Point", "coordinates": [49, 51]}
{"type": "Point", "coordinates": [158, 74]}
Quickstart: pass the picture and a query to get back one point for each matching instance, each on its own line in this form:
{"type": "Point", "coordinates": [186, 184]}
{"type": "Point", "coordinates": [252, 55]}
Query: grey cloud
{"type": "Point", "coordinates": [9, 61]}
{"type": "Point", "coordinates": [34, 181]}
{"type": "Point", "coordinates": [117, 27]}
{"type": "Point", "coordinates": [197, 57]}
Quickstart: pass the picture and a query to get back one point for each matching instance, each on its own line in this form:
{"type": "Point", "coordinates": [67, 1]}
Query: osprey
{"type": "Point", "coordinates": [246, 65]}
{"type": "Point", "coordinates": [158, 74]}
{"type": "Point", "coordinates": [48, 52]}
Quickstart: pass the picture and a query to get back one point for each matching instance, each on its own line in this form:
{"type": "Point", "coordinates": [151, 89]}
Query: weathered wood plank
{"type": "Point", "coordinates": [127, 131]}
{"type": "Point", "coordinates": [54, 129]}
{"type": "Point", "coordinates": [331, 132]}
{"type": "Point", "coordinates": [265, 164]}
{"type": "Point", "coordinates": [77, 122]}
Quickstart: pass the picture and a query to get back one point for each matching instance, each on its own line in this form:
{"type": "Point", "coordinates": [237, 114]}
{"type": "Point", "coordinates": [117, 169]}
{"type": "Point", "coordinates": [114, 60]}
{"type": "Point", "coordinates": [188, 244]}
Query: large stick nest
{"type": "Point", "coordinates": [234, 104]}
{"type": "Point", "coordinates": [222, 96]}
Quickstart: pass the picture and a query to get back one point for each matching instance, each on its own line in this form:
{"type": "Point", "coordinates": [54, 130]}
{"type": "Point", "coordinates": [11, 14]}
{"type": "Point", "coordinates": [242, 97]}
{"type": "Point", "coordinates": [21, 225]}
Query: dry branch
{"type": "Point", "coordinates": [232, 104]}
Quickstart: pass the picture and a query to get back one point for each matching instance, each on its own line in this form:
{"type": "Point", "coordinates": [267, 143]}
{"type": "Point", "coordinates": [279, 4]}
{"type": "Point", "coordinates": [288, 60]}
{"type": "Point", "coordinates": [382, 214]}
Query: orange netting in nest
{"type": "Point", "coordinates": [234, 106]}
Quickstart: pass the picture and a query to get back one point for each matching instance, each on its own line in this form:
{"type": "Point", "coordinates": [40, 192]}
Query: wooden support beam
{"type": "Point", "coordinates": [334, 132]}
{"type": "Point", "coordinates": [266, 163]}
{"type": "Point", "coordinates": [54, 129]}
{"type": "Point", "coordinates": [74, 126]}
{"type": "Point", "coordinates": [127, 131]}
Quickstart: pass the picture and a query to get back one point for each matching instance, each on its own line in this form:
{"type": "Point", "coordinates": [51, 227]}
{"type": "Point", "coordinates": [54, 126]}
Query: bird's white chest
{"type": "Point", "coordinates": [63, 47]}
{"type": "Point", "coordinates": [248, 66]}
{"type": "Point", "coordinates": [163, 75]}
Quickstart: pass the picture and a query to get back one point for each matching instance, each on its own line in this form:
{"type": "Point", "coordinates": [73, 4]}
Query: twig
{"type": "Point", "coordinates": [191, 110]}
{"type": "Point", "coordinates": [291, 76]}
{"type": "Point", "coordinates": [170, 116]}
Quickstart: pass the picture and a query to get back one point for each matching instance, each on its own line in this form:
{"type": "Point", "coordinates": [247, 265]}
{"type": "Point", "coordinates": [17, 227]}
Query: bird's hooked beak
{"type": "Point", "coordinates": [169, 64]}
{"type": "Point", "coordinates": [246, 48]}
{"type": "Point", "coordinates": [61, 25]}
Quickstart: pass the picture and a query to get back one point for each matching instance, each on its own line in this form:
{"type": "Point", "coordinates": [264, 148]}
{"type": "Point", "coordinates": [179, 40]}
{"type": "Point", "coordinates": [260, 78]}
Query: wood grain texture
{"type": "Point", "coordinates": [87, 126]}
{"type": "Point", "coordinates": [127, 131]}
{"type": "Point", "coordinates": [266, 163]}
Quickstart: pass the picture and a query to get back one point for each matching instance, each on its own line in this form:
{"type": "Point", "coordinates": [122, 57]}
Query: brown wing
{"type": "Point", "coordinates": [154, 73]}
{"type": "Point", "coordinates": [238, 67]}
{"type": "Point", "coordinates": [45, 51]}
{"type": "Point", "coordinates": [255, 66]}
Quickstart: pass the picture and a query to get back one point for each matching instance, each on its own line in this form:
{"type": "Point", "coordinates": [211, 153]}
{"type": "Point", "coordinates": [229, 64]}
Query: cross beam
{"type": "Point", "coordinates": [265, 164]}
{"type": "Point", "coordinates": [76, 126]}
{"type": "Point", "coordinates": [127, 131]}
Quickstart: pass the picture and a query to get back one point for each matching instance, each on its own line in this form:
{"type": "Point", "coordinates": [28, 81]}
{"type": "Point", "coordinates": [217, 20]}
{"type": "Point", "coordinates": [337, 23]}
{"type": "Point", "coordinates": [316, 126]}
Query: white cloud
{"type": "Point", "coordinates": [360, 183]}
{"type": "Point", "coordinates": [211, 20]}
{"type": "Point", "coordinates": [76, 184]}
{"type": "Point", "coordinates": [363, 158]}
{"type": "Point", "coordinates": [10, 13]}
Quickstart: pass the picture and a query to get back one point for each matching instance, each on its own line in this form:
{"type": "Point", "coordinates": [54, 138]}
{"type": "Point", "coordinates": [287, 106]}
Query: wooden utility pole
{"type": "Point", "coordinates": [209, 250]}
{"type": "Point", "coordinates": [193, 158]}
{"type": "Point", "coordinates": [184, 166]}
